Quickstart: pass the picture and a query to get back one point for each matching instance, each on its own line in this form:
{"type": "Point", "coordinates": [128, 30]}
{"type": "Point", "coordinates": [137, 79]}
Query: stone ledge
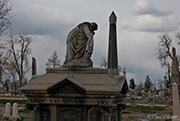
{"type": "Point", "coordinates": [75, 70]}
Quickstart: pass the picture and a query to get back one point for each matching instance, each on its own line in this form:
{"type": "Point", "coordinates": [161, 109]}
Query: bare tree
{"type": "Point", "coordinates": [164, 54]}
{"type": "Point", "coordinates": [3, 59]}
{"type": "Point", "coordinates": [53, 61]}
{"type": "Point", "coordinates": [178, 37]}
{"type": "Point", "coordinates": [160, 84]}
{"type": "Point", "coordinates": [6, 85]}
{"type": "Point", "coordinates": [4, 16]}
{"type": "Point", "coordinates": [103, 62]}
{"type": "Point", "coordinates": [9, 71]}
{"type": "Point", "coordinates": [4, 25]}
{"type": "Point", "coordinates": [164, 50]}
{"type": "Point", "coordinates": [18, 51]}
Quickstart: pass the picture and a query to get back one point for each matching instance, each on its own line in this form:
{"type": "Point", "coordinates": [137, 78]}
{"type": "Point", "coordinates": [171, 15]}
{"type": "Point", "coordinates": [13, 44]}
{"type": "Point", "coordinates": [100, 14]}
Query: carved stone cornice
{"type": "Point", "coordinates": [74, 101]}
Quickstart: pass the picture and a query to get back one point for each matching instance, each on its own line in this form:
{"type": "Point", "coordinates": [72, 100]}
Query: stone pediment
{"type": "Point", "coordinates": [66, 87]}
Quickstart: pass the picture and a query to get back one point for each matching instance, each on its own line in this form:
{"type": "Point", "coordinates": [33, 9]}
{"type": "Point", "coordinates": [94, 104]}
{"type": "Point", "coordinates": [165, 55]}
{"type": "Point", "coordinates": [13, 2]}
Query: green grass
{"type": "Point", "coordinates": [146, 100]}
{"type": "Point", "coordinates": [129, 100]}
{"type": "Point", "coordinates": [169, 120]}
{"type": "Point", "coordinates": [3, 101]}
{"type": "Point", "coordinates": [23, 118]}
{"type": "Point", "coordinates": [160, 101]}
{"type": "Point", "coordinates": [24, 111]}
{"type": "Point", "coordinates": [143, 109]}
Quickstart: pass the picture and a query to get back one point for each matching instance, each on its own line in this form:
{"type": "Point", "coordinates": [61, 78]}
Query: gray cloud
{"type": "Point", "coordinates": [143, 7]}
{"type": "Point", "coordinates": [151, 19]}
{"type": "Point", "coordinates": [138, 54]}
{"type": "Point", "coordinates": [42, 48]}
{"type": "Point", "coordinates": [47, 27]}
{"type": "Point", "coordinates": [35, 19]}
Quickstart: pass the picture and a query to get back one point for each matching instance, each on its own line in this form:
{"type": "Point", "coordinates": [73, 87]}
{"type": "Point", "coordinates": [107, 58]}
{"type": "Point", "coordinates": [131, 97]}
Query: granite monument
{"type": "Point", "coordinates": [77, 91]}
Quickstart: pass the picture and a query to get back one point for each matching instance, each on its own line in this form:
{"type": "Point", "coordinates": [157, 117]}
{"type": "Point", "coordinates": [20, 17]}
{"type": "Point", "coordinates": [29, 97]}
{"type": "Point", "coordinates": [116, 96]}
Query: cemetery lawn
{"type": "Point", "coordinates": [160, 101]}
{"type": "Point", "coordinates": [4, 101]}
{"type": "Point", "coordinates": [137, 113]}
{"type": "Point", "coordinates": [146, 100]}
{"type": "Point", "coordinates": [143, 109]}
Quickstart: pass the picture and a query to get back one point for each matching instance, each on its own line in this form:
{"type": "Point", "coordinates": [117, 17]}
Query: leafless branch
{"type": "Point", "coordinates": [164, 49]}
{"type": "Point", "coordinates": [18, 52]}
{"type": "Point", "coordinates": [4, 16]}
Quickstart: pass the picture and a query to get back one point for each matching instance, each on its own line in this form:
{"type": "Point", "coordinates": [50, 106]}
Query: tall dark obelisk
{"type": "Point", "coordinates": [34, 71]}
{"type": "Point", "coordinates": [112, 50]}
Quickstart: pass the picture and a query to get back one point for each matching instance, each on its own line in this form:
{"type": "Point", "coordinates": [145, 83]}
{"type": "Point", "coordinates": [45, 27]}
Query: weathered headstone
{"type": "Point", "coordinates": [176, 102]}
{"type": "Point", "coordinates": [151, 98]}
{"type": "Point", "coordinates": [15, 116]}
{"type": "Point", "coordinates": [132, 97]}
{"type": "Point", "coordinates": [7, 112]}
{"type": "Point", "coordinates": [132, 92]}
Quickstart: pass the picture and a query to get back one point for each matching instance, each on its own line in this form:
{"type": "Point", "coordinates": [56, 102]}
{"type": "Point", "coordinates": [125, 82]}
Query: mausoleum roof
{"type": "Point", "coordinates": [89, 79]}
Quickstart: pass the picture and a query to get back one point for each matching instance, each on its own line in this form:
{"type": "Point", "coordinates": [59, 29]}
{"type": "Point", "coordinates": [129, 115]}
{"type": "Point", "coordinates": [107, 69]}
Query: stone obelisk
{"type": "Point", "coordinates": [175, 68]}
{"type": "Point", "coordinates": [112, 50]}
{"type": "Point", "coordinates": [174, 74]}
{"type": "Point", "coordinates": [34, 72]}
{"type": "Point", "coordinates": [0, 74]}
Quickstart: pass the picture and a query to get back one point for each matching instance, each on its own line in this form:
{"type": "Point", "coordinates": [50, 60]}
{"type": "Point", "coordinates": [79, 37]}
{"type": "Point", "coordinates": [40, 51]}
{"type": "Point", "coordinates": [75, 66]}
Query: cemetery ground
{"type": "Point", "coordinates": [143, 112]}
{"type": "Point", "coordinates": [140, 112]}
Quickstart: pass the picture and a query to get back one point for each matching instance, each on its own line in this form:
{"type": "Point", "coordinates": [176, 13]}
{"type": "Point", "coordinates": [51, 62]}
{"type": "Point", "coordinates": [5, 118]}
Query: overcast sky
{"type": "Point", "coordinates": [139, 24]}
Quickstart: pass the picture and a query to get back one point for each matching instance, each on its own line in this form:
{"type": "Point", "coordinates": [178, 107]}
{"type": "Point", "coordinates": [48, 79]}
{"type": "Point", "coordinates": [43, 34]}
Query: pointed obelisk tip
{"type": "Point", "coordinates": [174, 51]}
{"type": "Point", "coordinates": [112, 18]}
{"type": "Point", "coordinates": [113, 13]}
